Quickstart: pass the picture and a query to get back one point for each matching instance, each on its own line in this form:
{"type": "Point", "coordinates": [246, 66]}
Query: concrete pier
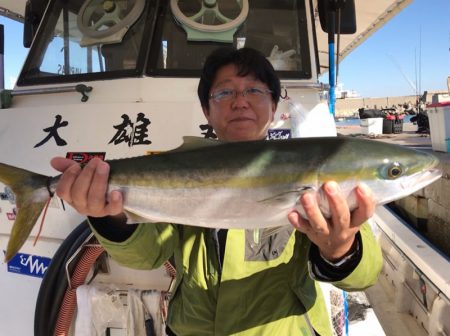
{"type": "Point", "coordinates": [349, 107]}
{"type": "Point", "coordinates": [428, 210]}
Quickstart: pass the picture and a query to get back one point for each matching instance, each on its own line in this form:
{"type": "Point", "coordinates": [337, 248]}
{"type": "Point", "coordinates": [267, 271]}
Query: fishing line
{"type": "Point", "coordinates": [42, 220]}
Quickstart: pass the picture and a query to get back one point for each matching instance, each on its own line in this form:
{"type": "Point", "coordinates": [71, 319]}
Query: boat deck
{"type": "Point", "coordinates": [408, 137]}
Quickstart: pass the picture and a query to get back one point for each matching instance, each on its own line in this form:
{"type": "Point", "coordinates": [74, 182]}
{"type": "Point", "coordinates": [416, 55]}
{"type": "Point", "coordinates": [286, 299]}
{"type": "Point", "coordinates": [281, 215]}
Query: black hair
{"type": "Point", "coordinates": [248, 61]}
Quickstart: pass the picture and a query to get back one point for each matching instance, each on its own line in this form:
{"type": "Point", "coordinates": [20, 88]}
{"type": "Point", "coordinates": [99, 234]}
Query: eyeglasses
{"type": "Point", "coordinates": [252, 94]}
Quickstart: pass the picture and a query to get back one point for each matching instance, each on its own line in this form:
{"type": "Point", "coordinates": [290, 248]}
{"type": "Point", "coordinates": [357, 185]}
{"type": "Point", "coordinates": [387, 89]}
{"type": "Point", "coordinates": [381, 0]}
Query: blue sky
{"type": "Point", "coordinates": [15, 53]}
{"type": "Point", "coordinates": [386, 61]}
{"type": "Point", "coordinates": [384, 65]}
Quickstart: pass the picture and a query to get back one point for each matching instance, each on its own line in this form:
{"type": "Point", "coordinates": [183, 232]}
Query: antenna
{"type": "Point", "coordinates": [415, 68]}
{"type": "Point", "coordinates": [420, 61]}
{"type": "Point", "coordinates": [403, 73]}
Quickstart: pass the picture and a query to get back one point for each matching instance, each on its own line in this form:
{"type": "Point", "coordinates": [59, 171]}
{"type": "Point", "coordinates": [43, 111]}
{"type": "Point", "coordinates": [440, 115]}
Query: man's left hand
{"type": "Point", "coordinates": [333, 236]}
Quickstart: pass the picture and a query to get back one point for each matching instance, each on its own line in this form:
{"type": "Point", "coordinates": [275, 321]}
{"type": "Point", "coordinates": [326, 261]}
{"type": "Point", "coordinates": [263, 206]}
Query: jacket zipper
{"type": "Point", "coordinates": [215, 239]}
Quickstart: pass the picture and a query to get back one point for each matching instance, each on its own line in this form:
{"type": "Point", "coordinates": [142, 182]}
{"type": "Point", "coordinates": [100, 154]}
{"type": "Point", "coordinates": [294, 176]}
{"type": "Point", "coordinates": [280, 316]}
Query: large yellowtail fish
{"type": "Point", "coordinates": [252, 184]}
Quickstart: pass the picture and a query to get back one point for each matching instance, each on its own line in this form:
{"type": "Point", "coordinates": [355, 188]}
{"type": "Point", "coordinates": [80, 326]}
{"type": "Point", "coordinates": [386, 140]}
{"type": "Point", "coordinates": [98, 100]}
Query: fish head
{"type": "Point", "coordinates": [390, 171]}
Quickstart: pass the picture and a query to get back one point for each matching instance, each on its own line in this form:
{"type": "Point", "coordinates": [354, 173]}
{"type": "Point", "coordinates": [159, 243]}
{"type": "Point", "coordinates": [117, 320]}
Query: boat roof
{"type": "Point", "coordinates": [370, 16]}
{"type": "Point", "coordinates": [13, 9]}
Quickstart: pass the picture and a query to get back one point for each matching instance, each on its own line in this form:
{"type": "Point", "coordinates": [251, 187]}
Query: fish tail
{"type": "Point", "coordinates": [32, 193]}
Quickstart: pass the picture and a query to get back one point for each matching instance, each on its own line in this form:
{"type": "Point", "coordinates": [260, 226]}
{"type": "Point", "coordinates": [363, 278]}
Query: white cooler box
{"type": "Point", "coordinates": [372, 126]}
{"type": "Point", "coordinates": [439, 118]}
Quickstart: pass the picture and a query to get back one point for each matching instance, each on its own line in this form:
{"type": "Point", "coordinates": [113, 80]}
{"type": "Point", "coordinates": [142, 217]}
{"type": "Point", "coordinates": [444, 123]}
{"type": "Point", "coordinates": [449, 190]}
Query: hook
{"type": "Point", "coordinates": [285, 94]}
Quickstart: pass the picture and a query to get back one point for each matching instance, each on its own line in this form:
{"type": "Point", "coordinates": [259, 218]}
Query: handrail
{"type": "Point", "coordinates": [81, 88]}
{"type": "Point", "coordinates": [6, 95]}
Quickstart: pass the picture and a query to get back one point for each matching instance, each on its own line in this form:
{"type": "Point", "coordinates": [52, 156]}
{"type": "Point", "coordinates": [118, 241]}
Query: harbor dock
{"type": "Point", "coordinates": [427, 210]}
{"type": "Point", "coordinates": [405, 300]}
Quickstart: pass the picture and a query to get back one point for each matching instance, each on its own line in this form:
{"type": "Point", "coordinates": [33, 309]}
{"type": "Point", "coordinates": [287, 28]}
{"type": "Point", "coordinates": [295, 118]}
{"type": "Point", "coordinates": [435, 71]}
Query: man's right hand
{"type": "Point", "coordinates": [86, 189]}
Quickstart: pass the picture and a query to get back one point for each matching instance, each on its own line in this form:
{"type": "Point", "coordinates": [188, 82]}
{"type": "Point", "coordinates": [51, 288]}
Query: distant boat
{"type": "Point", "coordinates": [341, 93]}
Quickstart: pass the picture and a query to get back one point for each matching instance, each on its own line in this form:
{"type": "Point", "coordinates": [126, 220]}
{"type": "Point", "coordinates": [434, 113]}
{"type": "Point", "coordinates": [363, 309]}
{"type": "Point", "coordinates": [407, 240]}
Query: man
{"type": "Point", "coordinates": [238, 281]}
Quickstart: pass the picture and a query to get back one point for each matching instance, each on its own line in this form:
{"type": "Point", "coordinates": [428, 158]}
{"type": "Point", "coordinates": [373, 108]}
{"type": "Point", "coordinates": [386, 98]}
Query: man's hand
{"type": "Point", "coordinates": [86, 189]}
{"type": "Point", "coordinates": [334, 236]}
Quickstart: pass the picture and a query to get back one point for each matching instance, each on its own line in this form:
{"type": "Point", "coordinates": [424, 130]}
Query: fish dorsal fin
{"type": "Point", "coordinates": [192, 142]}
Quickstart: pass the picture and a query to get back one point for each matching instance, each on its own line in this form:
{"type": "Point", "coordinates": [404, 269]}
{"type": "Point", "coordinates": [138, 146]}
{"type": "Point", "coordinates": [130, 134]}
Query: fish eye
{"type": "Point", "coordinates": [394, 170]}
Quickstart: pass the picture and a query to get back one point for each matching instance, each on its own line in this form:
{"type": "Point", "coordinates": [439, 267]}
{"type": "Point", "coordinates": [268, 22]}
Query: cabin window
{"type": "Point", "coordinates": [91, 39]}
{"type": "Point", "coordinates": [82, 40]}
{"type": "Point", "coordinates": [278, 28]}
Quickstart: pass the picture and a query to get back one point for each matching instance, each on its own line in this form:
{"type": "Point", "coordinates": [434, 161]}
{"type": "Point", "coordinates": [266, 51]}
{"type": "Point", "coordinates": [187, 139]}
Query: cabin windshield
{"type": "Point", "coordinates": [97, 39]}
{"type": "Point", "coordinates": [87, 40]}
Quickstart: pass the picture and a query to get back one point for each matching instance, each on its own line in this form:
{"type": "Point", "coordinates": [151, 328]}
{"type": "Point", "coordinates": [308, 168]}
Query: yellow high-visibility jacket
{"type": "Point", "coordinates": [265, 287]}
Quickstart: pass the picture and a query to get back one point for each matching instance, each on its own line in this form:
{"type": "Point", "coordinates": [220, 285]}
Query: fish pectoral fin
{"type": "Point", "coordinates": [287, 196]}
{"type": "Point", "coordinates": [192, 142]}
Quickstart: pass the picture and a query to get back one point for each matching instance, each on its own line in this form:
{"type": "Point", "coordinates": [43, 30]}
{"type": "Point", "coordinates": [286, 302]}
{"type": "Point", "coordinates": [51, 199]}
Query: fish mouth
{"type": "Point", "coordinates": [421, 179]}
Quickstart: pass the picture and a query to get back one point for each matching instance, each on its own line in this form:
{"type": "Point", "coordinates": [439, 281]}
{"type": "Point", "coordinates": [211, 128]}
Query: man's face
{"type": "Point", "coordinates": [239, 118]}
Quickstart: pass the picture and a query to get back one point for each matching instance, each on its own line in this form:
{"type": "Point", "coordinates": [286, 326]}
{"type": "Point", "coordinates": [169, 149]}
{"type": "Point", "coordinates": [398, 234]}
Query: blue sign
{"type": "Point", "coordinates": [28, 264]}
{"type": "Point", "coordinates": [279, 134]}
